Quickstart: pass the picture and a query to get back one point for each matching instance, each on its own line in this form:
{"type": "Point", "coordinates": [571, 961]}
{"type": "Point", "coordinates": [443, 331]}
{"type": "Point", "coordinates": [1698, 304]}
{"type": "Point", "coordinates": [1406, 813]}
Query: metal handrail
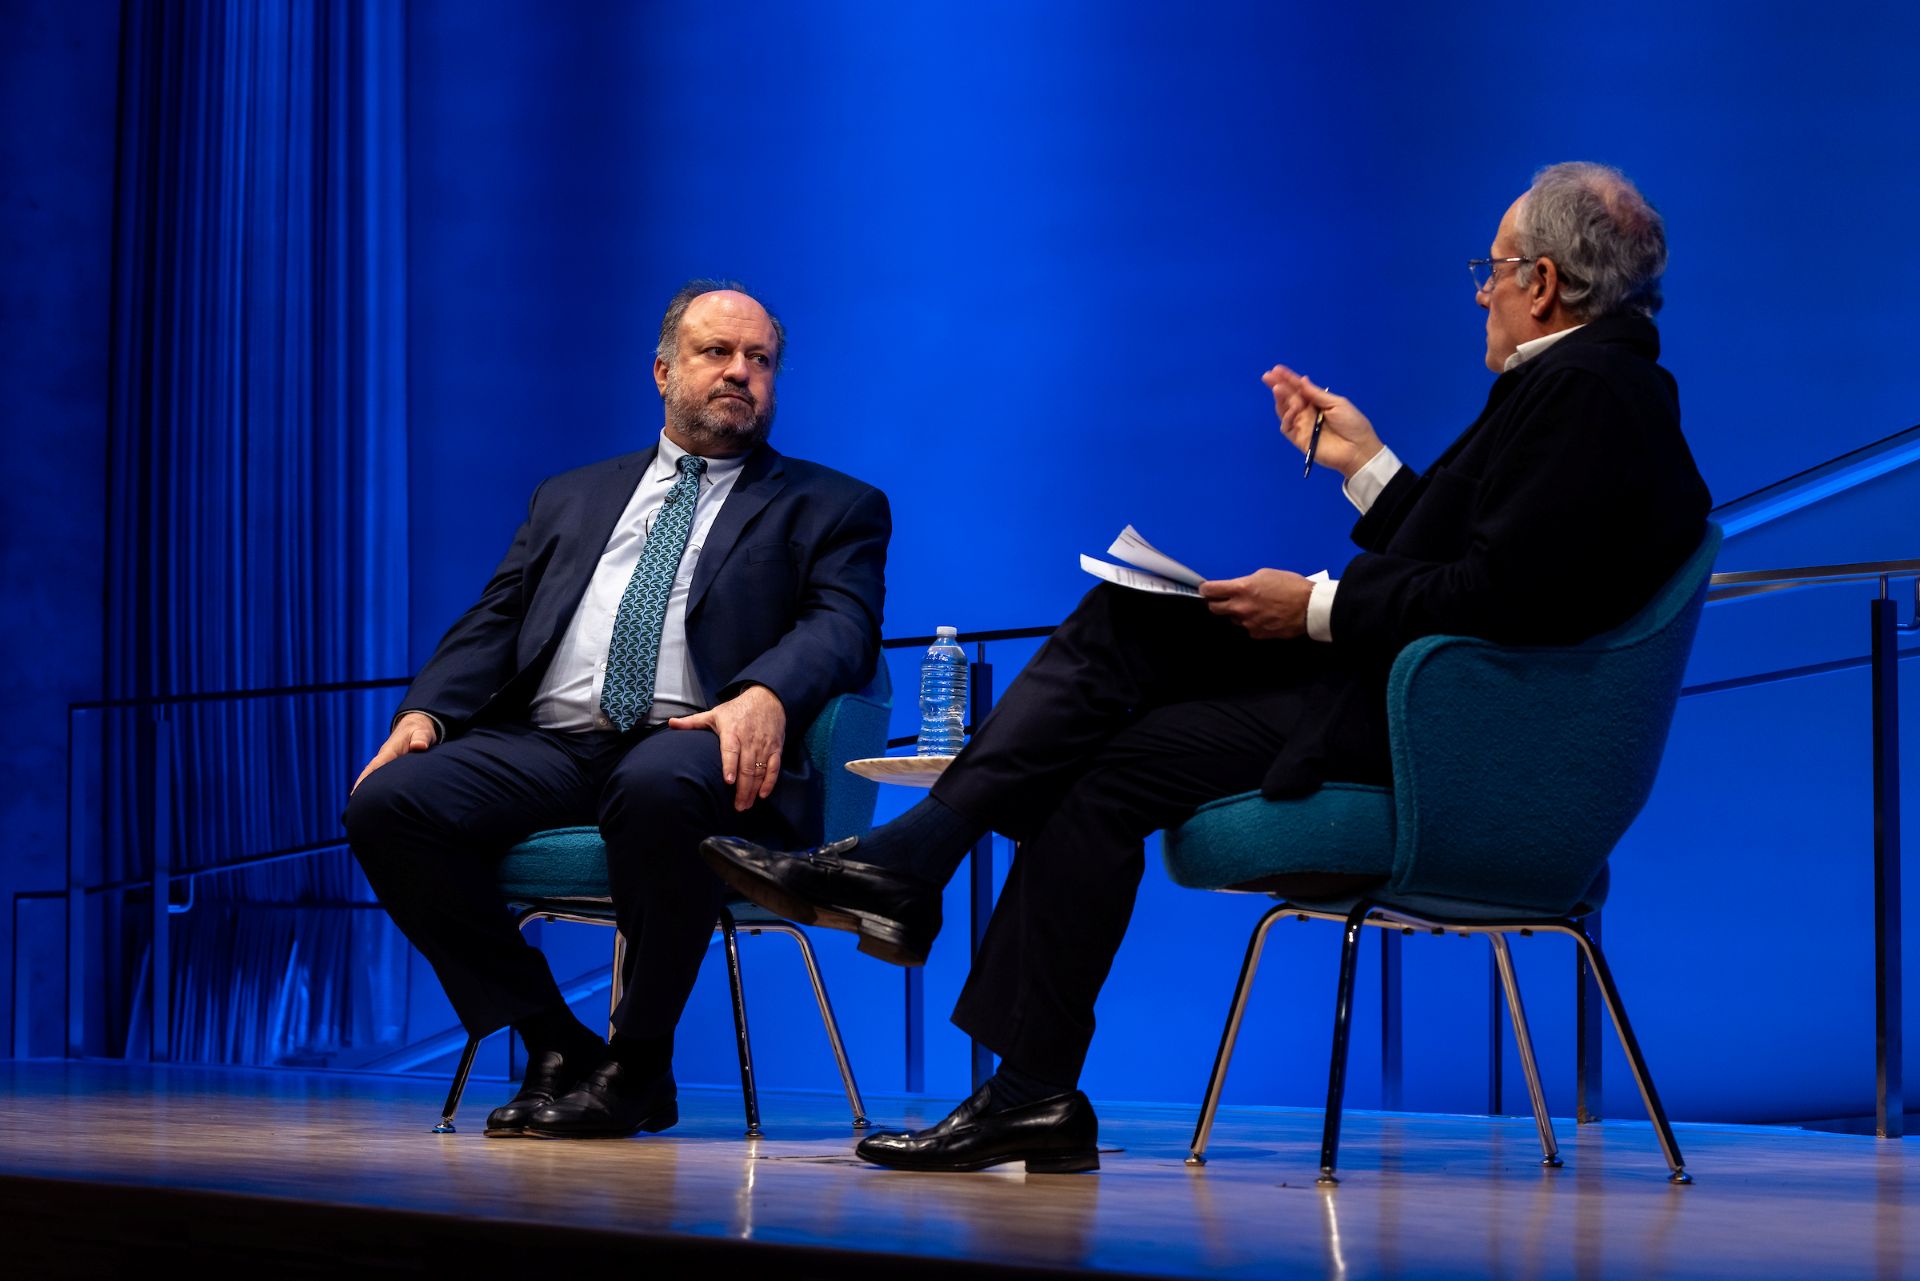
{"type": "Point", "coordinates": [1748, 583]}
{"type": "Point", "coordinates": [1739, 584]}
{"type": "Point", "coordinates": [1009, 633]}
{"type": "Point", "coordinates": [1822, 480]}
{"type": "Point", "coordinates": [235, 695]}
{"type": "Point", "coordinates": [390, 682]}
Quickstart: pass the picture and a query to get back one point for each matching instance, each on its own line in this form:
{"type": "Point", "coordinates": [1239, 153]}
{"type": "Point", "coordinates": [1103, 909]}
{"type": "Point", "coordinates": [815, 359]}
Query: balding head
{"type": "Point", "coordinates": [1608, 243]}
{"type": "Point", "coordinates": [683, 299]}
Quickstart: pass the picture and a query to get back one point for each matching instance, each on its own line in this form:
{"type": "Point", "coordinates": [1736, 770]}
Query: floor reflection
{"type": "Point", "coordinates": [1420, 1196]}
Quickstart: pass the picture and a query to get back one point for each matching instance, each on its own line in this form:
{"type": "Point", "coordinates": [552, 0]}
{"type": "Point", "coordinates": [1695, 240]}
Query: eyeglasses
{"type": "Point", "coordinates": [1485, 269]}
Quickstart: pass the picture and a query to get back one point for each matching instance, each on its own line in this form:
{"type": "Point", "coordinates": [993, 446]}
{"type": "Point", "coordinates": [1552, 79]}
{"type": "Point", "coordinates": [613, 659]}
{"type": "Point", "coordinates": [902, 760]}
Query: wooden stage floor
{"type": "Point", "coordinates": [107, 1170]}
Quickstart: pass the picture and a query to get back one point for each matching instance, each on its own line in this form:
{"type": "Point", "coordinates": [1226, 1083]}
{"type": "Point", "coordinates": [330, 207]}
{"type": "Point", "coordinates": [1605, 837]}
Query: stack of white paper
{"type": "Point", "coordinates": [1147, 568]}
{"type": "Point", "coordinates": [1153, 570]}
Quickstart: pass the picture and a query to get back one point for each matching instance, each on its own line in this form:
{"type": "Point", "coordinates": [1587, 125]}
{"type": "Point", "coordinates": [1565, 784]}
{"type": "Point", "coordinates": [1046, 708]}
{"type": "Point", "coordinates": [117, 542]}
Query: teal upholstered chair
{"type": "Point", "coordinates": [561, 875]}
{"type": "Point", "coordinates": [1515, 771]}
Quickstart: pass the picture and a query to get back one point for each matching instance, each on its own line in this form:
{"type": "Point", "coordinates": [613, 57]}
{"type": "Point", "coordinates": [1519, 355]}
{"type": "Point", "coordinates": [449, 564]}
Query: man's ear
{"type": "Point", "coordinates": [1543, 291]}
{"type": "Point", "coordinates": [660, 376]}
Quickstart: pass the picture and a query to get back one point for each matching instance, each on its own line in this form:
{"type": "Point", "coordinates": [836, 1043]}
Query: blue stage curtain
{"type": "Point", "coordinates": [256, 510]}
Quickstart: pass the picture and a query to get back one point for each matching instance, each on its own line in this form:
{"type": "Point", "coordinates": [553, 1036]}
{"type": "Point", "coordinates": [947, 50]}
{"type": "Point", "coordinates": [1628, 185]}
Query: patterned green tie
{"type": "Point", "coordinates": [633, 656]}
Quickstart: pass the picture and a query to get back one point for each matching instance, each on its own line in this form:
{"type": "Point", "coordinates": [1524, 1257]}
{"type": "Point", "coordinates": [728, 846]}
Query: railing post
{"type": "Point", "coordinates": [1390, 1054]}
{"type": "Point", "coordinates": [160, 949]}
{"type": "Point", "coordinates": [980, 878]}
{"type": "Point", "coordinates": [916, 1024]}
{"type": "Point", "coordinates": [1889, 1101]}
{"type": "Point", "coordinates": [1587, 1008]}
{"type": "Point", "coordinates": [83, 764]}
{"type": "Point", "coordinates": [1496, 1041]}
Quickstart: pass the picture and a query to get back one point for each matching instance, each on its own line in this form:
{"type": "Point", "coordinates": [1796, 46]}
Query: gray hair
{"type": "Point", "coordinates": [1608, 243]}
{"type": "Point", "coordinates": [677, 311]}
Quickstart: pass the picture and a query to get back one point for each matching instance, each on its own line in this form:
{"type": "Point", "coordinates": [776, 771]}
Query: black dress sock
{"type": "Point", "coordinates": [1012, 1088]}
{"type": "Point", "coordinates": [557, 1029]}
{"type": "Point", "coordinates": [928, 842]}
{"type": "Point", "coordinates": [642, 1058]}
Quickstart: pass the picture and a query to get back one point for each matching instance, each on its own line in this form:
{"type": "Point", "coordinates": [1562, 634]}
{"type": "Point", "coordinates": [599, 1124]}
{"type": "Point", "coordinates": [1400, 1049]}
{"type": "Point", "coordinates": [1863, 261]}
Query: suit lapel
{"type": "Point", "coordinates": [764, 476]}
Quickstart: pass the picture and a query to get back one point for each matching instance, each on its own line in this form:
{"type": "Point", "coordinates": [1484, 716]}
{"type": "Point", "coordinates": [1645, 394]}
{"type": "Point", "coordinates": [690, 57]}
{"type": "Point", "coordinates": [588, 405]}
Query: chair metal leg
{"type": "Point", "coordinates": [459, 1086]}
{"type": "Point", "coordinates": [1342, 1024]}
{"type": "Point", "coordinates": [1523, 1038]}
{"type": "Point", "coordinates": [828, 1021]}
{"type": "Point", "coordinates": [1197, 1150]}
{"type": "Point", "coordinates": [745, 1045]}
{"type": "Point", "coordinates": [522, 918]}
{"type": "Point", "coordinates": [617, 988]}
{"type": "Point", "coordinates": [1635, 1060]}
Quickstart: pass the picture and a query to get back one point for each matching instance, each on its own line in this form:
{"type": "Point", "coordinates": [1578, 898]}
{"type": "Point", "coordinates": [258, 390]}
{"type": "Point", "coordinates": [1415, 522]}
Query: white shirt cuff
{"type": "Point", "coordinates": [1320, 609]}
{"type": "Point", "coordinates": [1367, 483]}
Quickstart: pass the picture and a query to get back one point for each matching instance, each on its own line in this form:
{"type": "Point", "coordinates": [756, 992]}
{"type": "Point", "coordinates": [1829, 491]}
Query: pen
{"type": "Point", "coordinates": [1313, 441]}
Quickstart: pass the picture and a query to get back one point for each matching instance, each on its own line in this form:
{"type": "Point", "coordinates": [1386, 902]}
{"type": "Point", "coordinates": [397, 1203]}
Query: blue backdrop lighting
{"type": "Point", "coordinates": [1033, 259]}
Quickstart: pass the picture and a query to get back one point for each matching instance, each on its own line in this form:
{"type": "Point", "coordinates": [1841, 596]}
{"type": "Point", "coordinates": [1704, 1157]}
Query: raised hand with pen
{"type": "Point", "coordinates": [1346, 441]}
{"type": "Point", "coordinates": [1275, 604]}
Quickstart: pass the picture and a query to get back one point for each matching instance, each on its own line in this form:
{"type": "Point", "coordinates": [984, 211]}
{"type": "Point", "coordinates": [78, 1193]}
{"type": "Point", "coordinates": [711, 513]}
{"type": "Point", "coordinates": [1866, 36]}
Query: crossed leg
{"type": "Point", "coordinates": [1069, 895]}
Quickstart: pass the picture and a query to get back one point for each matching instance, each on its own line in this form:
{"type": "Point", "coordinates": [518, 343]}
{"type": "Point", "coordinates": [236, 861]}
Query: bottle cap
{"type": "Point", "coordinates": [946, 631]}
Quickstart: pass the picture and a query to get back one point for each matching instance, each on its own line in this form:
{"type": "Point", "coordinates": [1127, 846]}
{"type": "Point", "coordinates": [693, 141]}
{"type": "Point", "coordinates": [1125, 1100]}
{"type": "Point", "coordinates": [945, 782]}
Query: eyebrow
{"type": "Point", "coordinates": [701, 344]}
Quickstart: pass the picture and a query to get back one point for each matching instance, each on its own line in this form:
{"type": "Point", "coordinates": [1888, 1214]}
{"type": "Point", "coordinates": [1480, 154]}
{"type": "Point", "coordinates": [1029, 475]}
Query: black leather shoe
{"type": "Point", "coordinates": [608, 1104]}
{"type": "Point", "coordinates": [895, 916]}
{"type": "Point", "coordinates": [1060, 1135]}
{"type": "Point", "coordinates": [548, 1077]}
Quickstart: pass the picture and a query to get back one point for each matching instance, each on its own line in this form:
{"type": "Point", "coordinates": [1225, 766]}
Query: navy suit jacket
{"type": "Point", "coordinates": [787, 593]}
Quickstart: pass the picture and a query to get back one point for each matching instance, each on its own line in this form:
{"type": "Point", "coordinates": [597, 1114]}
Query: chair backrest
{"type": "Point", "coordinates": [1516, 769]}
{"type": "Point", "coordinates": [851, 727]}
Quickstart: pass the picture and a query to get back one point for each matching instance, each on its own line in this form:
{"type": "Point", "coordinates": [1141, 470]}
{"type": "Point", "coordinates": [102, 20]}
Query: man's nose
{"type": "Point", "coordinates": [738, 370]}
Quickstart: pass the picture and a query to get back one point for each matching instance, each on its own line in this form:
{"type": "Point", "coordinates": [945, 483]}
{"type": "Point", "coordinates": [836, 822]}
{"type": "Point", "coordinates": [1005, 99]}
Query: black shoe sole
{"type": "Point", "coordinates": [515, 1131]}
{"type": "Point", "coordinates": [1072, 1163]}
{"type": "Point", "coordinates": [510, 1132]}
{"type": "Point", "coordinates": [654, 1122]}
{"type": "Point", "coordinates": [1051, 1163]}
{"type": "Point", "coordinates": [880, 936]}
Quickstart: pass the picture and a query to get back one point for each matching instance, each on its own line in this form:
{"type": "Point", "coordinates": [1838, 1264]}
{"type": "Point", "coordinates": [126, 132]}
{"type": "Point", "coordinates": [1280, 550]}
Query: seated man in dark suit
{"type": "Point", "coordinates": [1555, 516]}
{"type": "Point", "coordinates": [663, 628]}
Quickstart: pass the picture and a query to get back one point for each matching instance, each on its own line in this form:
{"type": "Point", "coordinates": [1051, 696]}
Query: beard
{"type": "Point", "coordinates": [716, 420]}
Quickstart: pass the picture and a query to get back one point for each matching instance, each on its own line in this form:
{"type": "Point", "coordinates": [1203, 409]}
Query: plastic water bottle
{"type": "Point", "coordinates": [943, 695]}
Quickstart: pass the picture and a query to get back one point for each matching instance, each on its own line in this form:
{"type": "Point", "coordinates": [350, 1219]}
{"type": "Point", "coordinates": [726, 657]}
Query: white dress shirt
{"type": "Point", "coordinates": [1367, 483]}
{"type": "Point", "coordinates": [569, 694]}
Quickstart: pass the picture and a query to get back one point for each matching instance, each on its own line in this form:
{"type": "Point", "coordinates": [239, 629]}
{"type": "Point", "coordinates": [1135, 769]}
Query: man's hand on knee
{"type": "Point", "coordinates": [413, 732]}
{"type": "Point", "coordinates": [752, 726]}
{"type": "Point", "coordinates": [1270, 603]}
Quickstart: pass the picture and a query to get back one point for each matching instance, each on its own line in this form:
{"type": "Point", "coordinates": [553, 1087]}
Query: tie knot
{"type": "Point", "coordinates": [692, 464]}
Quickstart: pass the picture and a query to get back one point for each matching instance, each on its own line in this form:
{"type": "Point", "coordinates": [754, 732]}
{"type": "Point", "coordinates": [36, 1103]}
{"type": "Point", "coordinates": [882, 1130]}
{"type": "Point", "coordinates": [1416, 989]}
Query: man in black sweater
{"type": "Point", "coordinates": [1552, 518]}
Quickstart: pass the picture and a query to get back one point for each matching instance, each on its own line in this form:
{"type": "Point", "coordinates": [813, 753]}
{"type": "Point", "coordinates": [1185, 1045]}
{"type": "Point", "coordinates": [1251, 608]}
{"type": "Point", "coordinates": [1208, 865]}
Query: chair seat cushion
{"type": "Point", "coordinates": [567, 866]}
{"type": "Point", "coordinates": [1343, 827]}
{"type": "Point", "coordinates": [564, 863]}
